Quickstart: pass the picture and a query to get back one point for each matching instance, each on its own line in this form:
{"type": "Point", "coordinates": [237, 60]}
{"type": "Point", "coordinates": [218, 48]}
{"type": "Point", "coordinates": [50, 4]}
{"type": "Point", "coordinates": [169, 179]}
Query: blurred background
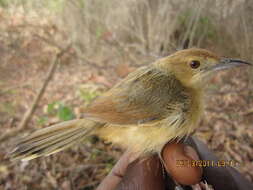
{"type": "Point", "coordinates": [77, 49]}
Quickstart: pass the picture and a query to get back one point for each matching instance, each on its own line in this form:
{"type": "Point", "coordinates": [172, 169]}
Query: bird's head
{"type": "Point", "coordinates": [193, 67]}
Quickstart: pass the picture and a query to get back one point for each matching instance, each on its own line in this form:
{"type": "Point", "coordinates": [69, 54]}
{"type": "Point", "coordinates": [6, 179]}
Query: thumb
{"type": "Point", "coordinates": [181, 163]}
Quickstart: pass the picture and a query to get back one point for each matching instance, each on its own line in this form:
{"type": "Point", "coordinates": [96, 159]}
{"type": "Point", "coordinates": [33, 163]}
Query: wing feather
{"type": "Point", "coordinates": [143, 96]}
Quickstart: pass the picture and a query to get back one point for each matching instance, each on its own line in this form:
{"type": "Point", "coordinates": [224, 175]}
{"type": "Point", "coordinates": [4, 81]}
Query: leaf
{"type": "Point", "coordinates": [65, 113]}
{"type": "Point", "coordinates": [88, 95]}
{"type": "Point", "coordinates": [42, 120]}
{"type": "Point", "coordinates": [51, 108]}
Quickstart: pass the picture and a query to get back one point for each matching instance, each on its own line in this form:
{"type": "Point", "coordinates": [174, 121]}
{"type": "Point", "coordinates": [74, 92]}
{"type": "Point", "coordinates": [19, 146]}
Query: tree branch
{"type": "Point", "coordinates": [31, 110]}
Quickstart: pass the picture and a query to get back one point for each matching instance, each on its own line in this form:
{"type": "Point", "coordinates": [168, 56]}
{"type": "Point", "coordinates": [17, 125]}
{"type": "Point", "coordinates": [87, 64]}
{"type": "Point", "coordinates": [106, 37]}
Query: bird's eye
{"type": "Point", "coordinates": [194, 64]}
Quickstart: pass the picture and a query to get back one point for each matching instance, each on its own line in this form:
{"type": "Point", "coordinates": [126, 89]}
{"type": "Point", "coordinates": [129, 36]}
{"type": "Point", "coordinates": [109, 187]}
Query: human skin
{"type": "Point", "coordinates": [148, 173]}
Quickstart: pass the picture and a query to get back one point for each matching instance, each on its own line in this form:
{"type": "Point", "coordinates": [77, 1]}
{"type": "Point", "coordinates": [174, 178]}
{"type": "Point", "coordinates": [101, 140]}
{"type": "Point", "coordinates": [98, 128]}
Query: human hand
{"type": "Point", "coordinates": [148, 173]}
{"type": "Point", "coordinates": [132, 174]}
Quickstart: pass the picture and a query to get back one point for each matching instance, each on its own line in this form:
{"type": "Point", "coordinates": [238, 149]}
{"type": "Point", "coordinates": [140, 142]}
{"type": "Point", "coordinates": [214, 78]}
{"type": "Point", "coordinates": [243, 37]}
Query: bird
{"type": "Point", "coordinates": [155, 104]}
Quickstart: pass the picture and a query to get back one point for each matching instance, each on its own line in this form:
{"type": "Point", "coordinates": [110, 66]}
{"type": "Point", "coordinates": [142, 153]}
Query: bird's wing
{"type": "Point", "coordinates": [143, 96]}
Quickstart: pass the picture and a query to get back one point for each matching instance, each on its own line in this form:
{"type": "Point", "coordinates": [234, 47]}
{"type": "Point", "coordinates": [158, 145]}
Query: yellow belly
{"type": "Point", "coordinates": [143, 138]}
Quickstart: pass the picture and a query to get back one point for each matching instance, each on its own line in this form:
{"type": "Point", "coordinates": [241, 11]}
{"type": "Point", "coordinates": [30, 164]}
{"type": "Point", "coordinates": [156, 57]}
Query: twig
{"type": "Point", "coordinates": [41, 91]}
{"type": "Point", "coordinates": [79, 57]}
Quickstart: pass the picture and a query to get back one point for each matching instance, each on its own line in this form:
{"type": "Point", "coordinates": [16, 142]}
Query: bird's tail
{"type": "Point", "coordinates": [53, 139]}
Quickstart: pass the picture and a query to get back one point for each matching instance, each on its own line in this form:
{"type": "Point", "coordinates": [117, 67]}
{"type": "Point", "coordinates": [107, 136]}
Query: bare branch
{"type": "Point", "coordinates": [39, 95]}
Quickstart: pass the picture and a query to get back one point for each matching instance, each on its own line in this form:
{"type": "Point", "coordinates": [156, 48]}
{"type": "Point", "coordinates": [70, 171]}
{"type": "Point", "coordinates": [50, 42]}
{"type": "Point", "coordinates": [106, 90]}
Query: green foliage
{"type": "Point", "coordinates": [88, 95]}
{"type": "Point", "coordinates": [42, 120]}
{"type": "Point", "coordinates": [3, 3]}
{"type": "Point", "coordinates": [60, 110]}
{"type": "Point", "coordinates": [65, 113]}
{"type": "Point", "coordinates": [51, 108]}
{"type": "Point", "coordinates": [99, 31]}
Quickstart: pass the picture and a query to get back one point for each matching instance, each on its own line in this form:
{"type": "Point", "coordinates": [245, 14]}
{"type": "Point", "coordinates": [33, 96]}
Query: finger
{"type": "Point", "coordinates": [143, 174]}
{"type": "Point", "coordinates": [115, 176]}
{"type": "Point", "coordinates": [181, 162]}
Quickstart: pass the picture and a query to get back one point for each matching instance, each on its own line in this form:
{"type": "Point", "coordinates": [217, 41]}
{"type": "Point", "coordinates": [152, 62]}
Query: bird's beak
{"type": "Point", "coordinates": [226, 63]}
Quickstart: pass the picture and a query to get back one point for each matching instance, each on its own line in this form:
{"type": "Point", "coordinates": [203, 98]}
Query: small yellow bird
{"type": "Point", "coordinates": [153, 105]}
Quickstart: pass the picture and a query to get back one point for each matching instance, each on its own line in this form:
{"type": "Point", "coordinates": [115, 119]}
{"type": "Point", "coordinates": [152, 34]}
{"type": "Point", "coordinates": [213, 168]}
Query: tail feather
{"type": "Point", "coordinates": [50, 131]}
{"type": "Point", "coordinates": [28, 148]}
{"type": "Point", "coordinates": [52, 139]}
